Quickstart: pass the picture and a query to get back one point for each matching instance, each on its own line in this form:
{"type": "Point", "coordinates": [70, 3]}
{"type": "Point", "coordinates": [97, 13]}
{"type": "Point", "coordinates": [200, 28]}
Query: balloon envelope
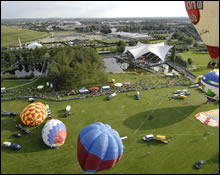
{"type": "Point", "coordinates": [205, 17]}
{"type": "Point", "coordinates": [34, 114]}
{"type": "Point", "coordinates": [210, 117]}
{"type": "Point", "coordinates": [99, 147]}
{"type": "Point", "coordinates": [54, 133]}
{"type": "Point", "coordinates": [210, 82]}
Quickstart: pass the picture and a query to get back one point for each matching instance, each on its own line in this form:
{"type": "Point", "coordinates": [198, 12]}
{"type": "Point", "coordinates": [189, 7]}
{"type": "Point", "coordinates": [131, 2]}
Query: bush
{"type": "Point", "coordinates": [181, 61]}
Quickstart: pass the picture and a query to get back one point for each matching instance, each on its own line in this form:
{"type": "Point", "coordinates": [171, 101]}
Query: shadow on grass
{"type": "Point", "coordinates": [9, 123]}
{"type": "Point", "coordinates": [32, 142]}
{"type": "Point", "coordinates": [151, 142]}
{"type": "Point", "coordinates": [214, 159]}
{"type": "Point", "coordinates": [132, 96]}
{"type": "Point", "coordinates": [60, 113]}
{"type": "Point", "coordinates": [161, 118]}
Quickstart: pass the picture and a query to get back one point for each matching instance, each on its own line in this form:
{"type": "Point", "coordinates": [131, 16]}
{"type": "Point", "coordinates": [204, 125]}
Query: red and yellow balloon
{"type": "Point", "coordinates": [34, 114]}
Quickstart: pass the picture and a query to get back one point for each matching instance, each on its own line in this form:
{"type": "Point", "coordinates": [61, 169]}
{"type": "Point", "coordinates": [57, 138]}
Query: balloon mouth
{"type": "Point", "coordinates": [60, 143]}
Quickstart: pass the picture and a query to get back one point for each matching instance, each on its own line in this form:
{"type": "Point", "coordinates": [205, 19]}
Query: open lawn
{"type": "Point", "coordinates": [10, 35]}
{"type": "Point", "coordinates": [172, 118]}
{"type": "Point", "coordinates": [198, 57]}
{"type": "Point", "coordinates": [200, 60]}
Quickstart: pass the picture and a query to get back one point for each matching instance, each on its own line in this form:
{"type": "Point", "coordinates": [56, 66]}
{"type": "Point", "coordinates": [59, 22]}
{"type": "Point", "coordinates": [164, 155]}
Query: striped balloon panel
{"type": "Point", "coordinates": [34, 114]}
{"type": "Point", "coordinates": [99, 147]}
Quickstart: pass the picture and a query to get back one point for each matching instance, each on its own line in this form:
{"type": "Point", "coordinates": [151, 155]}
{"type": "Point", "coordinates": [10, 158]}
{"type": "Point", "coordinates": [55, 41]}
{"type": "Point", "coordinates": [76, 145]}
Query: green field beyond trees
{"type": "Point", "coordinates": [10, 35]}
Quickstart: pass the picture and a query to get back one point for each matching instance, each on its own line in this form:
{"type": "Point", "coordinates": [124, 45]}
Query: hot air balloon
{"type": "Point", "coordinates": [34, 114]}
{"type": "Point", "coordinates": [210, 117]}
{"type": "Point", "coordinates": [210, 84]}
{"type": "Point", "coordinates": [205, 17]}
{"type": "Point", "coordinates": [54, 133]}
{"type": "Point", "coordinates": [99, 147]}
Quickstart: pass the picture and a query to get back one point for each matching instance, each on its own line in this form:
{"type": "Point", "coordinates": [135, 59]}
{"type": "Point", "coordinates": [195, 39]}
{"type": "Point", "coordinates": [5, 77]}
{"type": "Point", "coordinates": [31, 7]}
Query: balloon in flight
{"type": "Point", "coordinates": [205, 17]}
{"type": "Point", "coordinates": [99, 147]}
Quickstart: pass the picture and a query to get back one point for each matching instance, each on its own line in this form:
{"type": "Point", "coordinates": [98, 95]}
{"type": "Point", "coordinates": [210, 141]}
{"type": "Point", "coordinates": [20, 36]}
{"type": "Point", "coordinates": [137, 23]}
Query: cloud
{"type": "Point", "coordinates": [74, 9]}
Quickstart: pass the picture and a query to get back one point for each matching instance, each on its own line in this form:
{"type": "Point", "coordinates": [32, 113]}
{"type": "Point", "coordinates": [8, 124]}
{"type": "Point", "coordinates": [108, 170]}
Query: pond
{"type": "Point", "coordinates": [34, 69]}
{"type": "Point", "coordinates": [112, 65]}
{"type": "Point", "coordinates": [29, 71]}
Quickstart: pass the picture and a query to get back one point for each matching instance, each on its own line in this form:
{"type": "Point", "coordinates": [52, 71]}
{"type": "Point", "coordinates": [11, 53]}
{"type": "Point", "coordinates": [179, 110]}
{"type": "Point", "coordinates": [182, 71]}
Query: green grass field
{"type": "Point", "coordinates": [198, 57]}
{"type": "Point", "coordinates": [10, 35]}
{"type": "Point", "coordinates": [173, 118]}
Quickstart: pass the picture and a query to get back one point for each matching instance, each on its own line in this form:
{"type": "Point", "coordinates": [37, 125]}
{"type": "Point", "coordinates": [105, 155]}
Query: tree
{"type": "Point", "coordinates": [195, 44]}
{"type": "Point", "coordinates": [121, 46]}
{"type": "Point", "coordinates": [176, 35]}
{"type": "Point", "coordinates": [189, 61]}
{"type": "Point", "coordinates": [188, 40]}
{"type": "Point", "coordinates": [74, 67]}
{"type": "Point", "coordinates": [132, 43]}
{"type": "Point", "coordinates": [173, 54]}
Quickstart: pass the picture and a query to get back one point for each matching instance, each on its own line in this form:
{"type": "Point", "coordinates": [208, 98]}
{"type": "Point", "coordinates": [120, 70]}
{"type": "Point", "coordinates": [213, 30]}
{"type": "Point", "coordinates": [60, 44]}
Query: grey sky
{"type": "Point", "coordinates": [91, 9]}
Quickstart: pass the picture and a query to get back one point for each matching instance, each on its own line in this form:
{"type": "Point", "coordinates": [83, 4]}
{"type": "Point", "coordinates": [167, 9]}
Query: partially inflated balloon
{"type": "Point", "coordinates": [210, 82]}
{"type": "Point", "coordinates": [205, 17]}
{"type": "Point", "coordinates": [54, 133]}
{"type": "Point", "coordinates": [34, 114]}
{"type": "Point", "coordinates": [99, 147]}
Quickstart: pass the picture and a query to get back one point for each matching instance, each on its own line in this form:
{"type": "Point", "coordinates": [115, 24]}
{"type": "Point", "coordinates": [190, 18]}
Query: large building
{"type": "Point", "coordinates": [149, 53]}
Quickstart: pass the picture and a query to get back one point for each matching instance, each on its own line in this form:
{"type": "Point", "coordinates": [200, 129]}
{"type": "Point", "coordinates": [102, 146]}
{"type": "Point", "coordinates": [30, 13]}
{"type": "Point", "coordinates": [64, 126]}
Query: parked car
{"type": "Point", "coordinates": [48, 109]}
{"type": "Point", "coordinates": [199, 164]}
{"type": "Point", "coordinates": [25, 131]}
{"type": "Point", "coordinates": [68, 107]}
{"type": "Point", "coordinates": [14, 146]}
{"type": "Point", "coordinates": [14, 114]}
{"type": "Point", "coordinates": [66, 114]}
{"type": "Point", "coordinates": [148, 137]}
{"type": "Point", "coordinates": [16, 134]}
{"type": "Point", "coordinates": [19, 126]}
{"type": "Point", "coordinates": [31, 100]}
{"type": "Point", "coordinates": [7, 144]}
{"type": "Point", "coordinates": [5, 113]}
{"type": "Point", "coordinates": [217, 171]}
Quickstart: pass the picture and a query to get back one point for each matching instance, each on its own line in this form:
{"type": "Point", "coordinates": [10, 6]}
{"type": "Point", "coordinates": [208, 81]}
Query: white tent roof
{"type": "Point", "coordinates": [34, 45]}
{"type": "Point", "coordinates": [140, 49]}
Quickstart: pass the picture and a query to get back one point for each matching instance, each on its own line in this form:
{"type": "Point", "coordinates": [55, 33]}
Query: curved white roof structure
{"type": "Point", "coordinates": [34, 45]}
{"type": "Point", "coordinates": [160, 50]}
